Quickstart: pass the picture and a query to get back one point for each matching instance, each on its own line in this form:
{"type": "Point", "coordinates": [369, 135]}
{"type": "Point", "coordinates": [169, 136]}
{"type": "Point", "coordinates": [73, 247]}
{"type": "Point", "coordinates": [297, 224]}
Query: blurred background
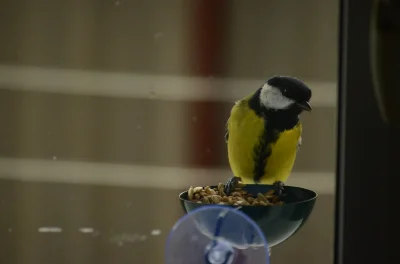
{"type": "Point", "coordinates": [110, 108]}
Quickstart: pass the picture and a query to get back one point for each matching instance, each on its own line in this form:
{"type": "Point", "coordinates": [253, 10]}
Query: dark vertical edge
{"type": "Point", "coordinates": [341, 131]}
{"type": "Point", "coordinates": [366, 228]}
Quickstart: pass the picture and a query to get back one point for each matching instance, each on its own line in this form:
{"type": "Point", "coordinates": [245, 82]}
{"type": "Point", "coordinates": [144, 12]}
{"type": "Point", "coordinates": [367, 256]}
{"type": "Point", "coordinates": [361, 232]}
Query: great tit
{"type": "Point", "coordinates": [263, 133]}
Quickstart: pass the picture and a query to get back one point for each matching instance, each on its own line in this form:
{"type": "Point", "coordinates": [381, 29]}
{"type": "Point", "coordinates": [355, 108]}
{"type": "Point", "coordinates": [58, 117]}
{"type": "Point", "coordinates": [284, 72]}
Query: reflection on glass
{"type": "Point", "coordinates": [109, 109]}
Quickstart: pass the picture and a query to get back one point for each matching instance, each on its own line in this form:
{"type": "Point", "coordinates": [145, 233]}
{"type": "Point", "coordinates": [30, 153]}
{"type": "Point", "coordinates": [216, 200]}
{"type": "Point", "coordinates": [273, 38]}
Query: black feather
{"type": "Point", "coordinates": [275, 122]}
{"type": "Point", "coordinates": [291, 88]}
{"type": "Point", "coordinates": [263, 151]}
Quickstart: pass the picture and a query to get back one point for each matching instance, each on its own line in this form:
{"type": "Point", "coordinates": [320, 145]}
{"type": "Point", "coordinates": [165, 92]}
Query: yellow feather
{"type": "Point", "coordinates": [245, 129]}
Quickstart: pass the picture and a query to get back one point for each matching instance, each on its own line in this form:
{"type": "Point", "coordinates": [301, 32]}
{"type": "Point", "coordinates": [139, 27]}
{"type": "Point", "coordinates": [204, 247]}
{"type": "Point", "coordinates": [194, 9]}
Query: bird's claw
{"type": "Point", "coordinates": [231, 184]}
{"type": "Point", "coordinates": [279, 189]}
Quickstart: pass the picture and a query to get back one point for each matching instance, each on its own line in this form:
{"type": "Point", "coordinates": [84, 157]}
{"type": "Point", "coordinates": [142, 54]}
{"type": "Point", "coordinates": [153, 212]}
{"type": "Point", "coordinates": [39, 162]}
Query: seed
{"type": "Point", "coordinates": [220, 188]}
{"type": "Point", "coordinates": [250, 199]}
{"type": "Point", "coordinates": [239, 197]}
{"type": "Point", "coordinates": [205, 200]}
{"type": "Point", "coordinates": [202, 194]}
{"type": "Point", "coordinates": [261, 197]}
{"type": "Point", "coordinates": [242, 202]}
{"type": "Point", "coordinates": [222, 193]}
{"type": "Point", "coordinates": [216, 199]}
{"type": "Point", "coordinates": [197, 189]}
{"type": "Point", "coordinates": [190, 193]}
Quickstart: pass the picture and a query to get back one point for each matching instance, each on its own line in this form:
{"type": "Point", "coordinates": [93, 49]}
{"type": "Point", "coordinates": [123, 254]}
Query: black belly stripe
{"type": "Point", "coordinates": [263, 151]}
{"type": "Point", "coordinates": [275, 122]}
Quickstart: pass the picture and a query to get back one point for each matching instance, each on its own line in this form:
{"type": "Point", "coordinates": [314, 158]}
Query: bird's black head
{"type": "Point", "coordinates": [283, 92]}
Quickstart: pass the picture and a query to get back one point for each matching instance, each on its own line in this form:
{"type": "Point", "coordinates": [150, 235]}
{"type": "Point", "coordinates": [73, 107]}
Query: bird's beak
{"type": "Point", "coordinates": [304, 105]}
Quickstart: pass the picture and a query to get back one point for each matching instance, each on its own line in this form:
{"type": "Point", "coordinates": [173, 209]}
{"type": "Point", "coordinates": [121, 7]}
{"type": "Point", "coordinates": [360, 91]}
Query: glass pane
{"type": "Point", "coordinates": [111, 108]}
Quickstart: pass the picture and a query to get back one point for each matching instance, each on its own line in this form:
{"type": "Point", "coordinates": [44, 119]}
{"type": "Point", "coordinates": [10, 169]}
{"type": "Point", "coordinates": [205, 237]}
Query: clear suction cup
{"type": "Point", "coordinates": [216, 235]}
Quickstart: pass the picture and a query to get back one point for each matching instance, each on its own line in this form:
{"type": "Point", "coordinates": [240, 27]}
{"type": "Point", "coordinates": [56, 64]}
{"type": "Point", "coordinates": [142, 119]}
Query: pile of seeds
{"type": "Point", "coordinates": [208, 195]}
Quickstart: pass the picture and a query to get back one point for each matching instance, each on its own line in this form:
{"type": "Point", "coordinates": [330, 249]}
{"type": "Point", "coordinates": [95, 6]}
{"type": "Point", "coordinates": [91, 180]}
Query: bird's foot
{"type": "Point", "coordinates": [279, 189]}
{"type": "Point", "coordinates": [231, 184]}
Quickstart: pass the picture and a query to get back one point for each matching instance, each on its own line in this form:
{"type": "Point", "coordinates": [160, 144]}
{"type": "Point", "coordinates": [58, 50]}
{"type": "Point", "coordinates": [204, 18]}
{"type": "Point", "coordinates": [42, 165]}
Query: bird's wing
{"type": "Point", "coordinates": [227, 131]}
{"type": "Point", "coordinates": [234, 108]}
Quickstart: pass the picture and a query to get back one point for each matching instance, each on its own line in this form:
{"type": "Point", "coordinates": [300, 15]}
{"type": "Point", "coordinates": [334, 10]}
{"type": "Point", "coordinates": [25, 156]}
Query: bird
{"type": "Point", "coordinates": [263, 133]}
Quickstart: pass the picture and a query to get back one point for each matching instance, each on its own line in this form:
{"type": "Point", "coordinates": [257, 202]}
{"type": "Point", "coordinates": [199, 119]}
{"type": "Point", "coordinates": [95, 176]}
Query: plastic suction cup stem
{"type": "Point", "coordinates": [216, 235]}
{"type": "Point", "coordinates": [219, 252]}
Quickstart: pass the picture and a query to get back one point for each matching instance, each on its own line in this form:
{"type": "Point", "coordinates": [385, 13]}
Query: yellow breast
{"type": "Point", "coordinates": [283, 156]}
{"type": "Point", "coordinates": [245, 129]}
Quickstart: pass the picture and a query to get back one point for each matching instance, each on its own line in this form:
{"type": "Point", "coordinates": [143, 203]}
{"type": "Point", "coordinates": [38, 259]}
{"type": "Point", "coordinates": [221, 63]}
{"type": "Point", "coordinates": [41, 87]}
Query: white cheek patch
{"type": "Point", "coordinates": [272, 98]}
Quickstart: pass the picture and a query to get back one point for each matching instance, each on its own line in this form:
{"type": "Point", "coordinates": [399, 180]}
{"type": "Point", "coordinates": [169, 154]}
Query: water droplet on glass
{"type": "Point", "coordinates": [123, 238]}
{"type": "Point", "coordinates": [9, 230]}
{"type": "Point", "coordinates": [138, 127]}
{"type": "Point", "coordinates": [86, 230]}
{"type": "Point", "coordinates": [49, 229]}
{"type": "Point", "coordinates": [117, 3]}
{"type": "Point", "coordinates": [194, 119]}
{"type": "Point", "coordinates": [54, 157]}
{"type": "Point", "coordinates": [156, 232]}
